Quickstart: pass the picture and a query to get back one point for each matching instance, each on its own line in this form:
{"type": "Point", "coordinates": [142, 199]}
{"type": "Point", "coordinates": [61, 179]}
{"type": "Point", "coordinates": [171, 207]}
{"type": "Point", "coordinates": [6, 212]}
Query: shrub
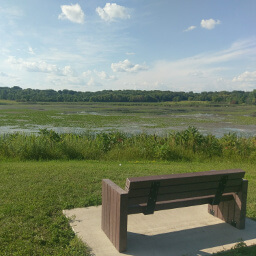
{"type": "Point", "coordinates": [185, 145]}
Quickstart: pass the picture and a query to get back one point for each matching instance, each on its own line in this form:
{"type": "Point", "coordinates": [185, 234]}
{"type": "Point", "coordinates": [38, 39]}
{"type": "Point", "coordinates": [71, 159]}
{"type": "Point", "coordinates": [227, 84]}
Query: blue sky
{"type": "Point", "coordinates": [94, 45]}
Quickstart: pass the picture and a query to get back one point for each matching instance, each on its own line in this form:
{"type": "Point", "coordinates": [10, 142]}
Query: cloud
{"type": "Point", "coordinates": [40, 66]}
{"type": "Point", "coordinates": [190, 28]}
{"type": "Point", "coordinates": [112, 12]}
{"type": "Point", "coordinates": [210, 71]}
{"type": "Point", "coordinates": [130, 53]}
{"type": "Point", "coordinates": [4, 74]}
{"type": "Point", "coordinates": [31, 51]}
{"type": "Point", "coordinates": [87, 73]}
{"type": "Point", "coordinates": [209, 24]}
{"type": "Point", "coordinates": [104, 76]}
{"type": "Point", "coordinates": [67, 71]}
{"type": "Point", "coordinates": [74, 13]}
{"type": "Point", "coordinates": [11, 13]}
{"type": "Point", "coordinates": [93, 83]}
{"type": "Point", "coordinates": [246, 77]}
{"type": "Point", "coordinates": [127, 66]}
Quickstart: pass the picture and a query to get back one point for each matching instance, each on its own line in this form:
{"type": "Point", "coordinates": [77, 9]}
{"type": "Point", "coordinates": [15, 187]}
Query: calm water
{"type": "Point", "coordinates": [245, 131]}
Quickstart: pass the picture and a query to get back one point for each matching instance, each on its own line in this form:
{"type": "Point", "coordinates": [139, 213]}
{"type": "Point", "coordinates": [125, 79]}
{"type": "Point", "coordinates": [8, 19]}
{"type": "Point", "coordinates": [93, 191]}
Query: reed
{"type": "Point", "coordinates": [186, 145]}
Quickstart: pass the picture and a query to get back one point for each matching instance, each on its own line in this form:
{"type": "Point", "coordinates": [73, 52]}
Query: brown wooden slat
{"type": "Point", "coordinates": [113, 215]}
{"type": "Point", "coordinates": [182, 188]}
{"type": "Point", "coordinates": [215, 210]}
{"type": "Point", "coordinates": [114, 204]}
{"type": "Point", "coordinates": [177, 203]}
{"type": "Point", "coordinates": [103, 211]}
{"type": "Point", "coordinates": [220, 211]}
{"type": "Point", "coordinates": [225, 211]}
{"type": "Point", "coordinates": [231, 211]}
{"type": "Point", "coordinates": [116, 220]}
{"type": "Point", "coordinates": [122, 217]}
{"type": "Point", "coordinates": [240, 206]}
{"type": "Point", "coordinates": [182, 195]}
{"type": "Point", "coordinates": [108, 210]}
{"type": "Point", "coordinates": [183, 178]}
{"type": "Point", "coordinates": [110, 190]}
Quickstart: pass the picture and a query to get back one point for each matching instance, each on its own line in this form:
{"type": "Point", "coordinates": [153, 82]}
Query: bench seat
{"type": "Point", "coordinates": [224, 191]}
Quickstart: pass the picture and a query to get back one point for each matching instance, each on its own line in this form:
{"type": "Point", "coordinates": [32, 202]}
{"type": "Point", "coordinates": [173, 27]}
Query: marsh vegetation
{"type": "Point", "coordinates": [132, 118]}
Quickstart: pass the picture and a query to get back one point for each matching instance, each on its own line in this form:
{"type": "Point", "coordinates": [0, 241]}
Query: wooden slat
{"type": "Point", "coordinates": [231, 211]}
{"type": "Point", "coordinates": [225, 211]}
{"type": "Point", "coordinates": [240, 206]}
{"type": "Point", "coordinates": [177, 203]}
{"type": "Point", "coordinates": [183, 178]}
{"type": "Point", "coordinates": [108, 210]}
{"type": "Point", "coordinates": [182, 195]}
{"type": "Point", "coordinates": [114, 207]}
{"type": "Point", "coordinates": [116, 220]}
{"type": "Point", "coordinates": [122, 217]}
{"type": "Point", "coordinates": [234, 211]}
{"type": "Point", "coordinates": [183, 188]}
{"type": "Point", "coordinates": [215, 210]}
{"type": "Point", "coordinates": [103, 208]}
{"type": "Point", "coordinates": [112, 216]}
{"type": "Point", "coordinates": [219, 211]}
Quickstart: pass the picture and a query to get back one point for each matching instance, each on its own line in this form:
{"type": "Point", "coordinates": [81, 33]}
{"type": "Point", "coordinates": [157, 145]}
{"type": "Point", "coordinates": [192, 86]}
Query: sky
{"type": "Point", "coordinates": [94, 45]}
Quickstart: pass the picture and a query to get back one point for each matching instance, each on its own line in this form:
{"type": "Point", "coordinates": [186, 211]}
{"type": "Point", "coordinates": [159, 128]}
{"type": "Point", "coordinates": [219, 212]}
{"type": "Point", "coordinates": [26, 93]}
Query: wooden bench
{"type": "Point", "coordinates": [224, 191]}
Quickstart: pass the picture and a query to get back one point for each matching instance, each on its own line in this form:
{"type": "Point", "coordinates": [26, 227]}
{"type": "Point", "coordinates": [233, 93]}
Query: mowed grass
{"type": "Point", "coordinates": [33, 195]}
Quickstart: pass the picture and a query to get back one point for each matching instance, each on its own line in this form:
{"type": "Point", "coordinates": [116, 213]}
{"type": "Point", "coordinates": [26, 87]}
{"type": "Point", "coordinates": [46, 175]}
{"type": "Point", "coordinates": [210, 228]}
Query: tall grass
{"type": "Point", "coordinates": [187, 145]}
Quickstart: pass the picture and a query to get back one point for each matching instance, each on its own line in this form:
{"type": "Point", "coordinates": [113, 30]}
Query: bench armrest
{"type": "Point", "coordinates": [114, 213]}
{"type": "Point", "coordinates": [110, 184]}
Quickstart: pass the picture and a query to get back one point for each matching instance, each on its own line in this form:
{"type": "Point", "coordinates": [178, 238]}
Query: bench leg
{"type": "Point", "coordinates": [114, 215]}
{"type": "Point", "coordinates": [234, 211]}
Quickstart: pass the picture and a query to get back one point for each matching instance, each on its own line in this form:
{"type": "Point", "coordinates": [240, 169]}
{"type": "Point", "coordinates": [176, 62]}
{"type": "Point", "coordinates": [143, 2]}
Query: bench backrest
{"type": "Point", "coordinates": [181, 186]}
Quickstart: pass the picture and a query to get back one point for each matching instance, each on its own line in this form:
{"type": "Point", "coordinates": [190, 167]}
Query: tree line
{"type": "Point", "coordinates": [35, 95]}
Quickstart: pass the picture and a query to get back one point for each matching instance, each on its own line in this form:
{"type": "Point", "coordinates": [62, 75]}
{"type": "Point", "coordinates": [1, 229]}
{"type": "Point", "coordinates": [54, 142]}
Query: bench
{"type": "Point", "coordinates": [224, 191]}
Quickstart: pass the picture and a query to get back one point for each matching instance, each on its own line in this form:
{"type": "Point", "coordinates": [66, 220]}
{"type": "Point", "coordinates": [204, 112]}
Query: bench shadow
{"type": "Point", "coordinates": [188, 242]}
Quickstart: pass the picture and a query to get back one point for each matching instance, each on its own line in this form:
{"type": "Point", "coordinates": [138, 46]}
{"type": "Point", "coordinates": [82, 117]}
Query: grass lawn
{"type": "Point", "coordinates": [33, 195]}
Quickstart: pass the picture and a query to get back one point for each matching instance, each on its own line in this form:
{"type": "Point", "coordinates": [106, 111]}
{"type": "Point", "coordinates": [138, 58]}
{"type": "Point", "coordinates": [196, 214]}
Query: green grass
{"type": "Point", "coordinates": [33, 195]}
{"type": "Point", "coordinates": [239, 249]}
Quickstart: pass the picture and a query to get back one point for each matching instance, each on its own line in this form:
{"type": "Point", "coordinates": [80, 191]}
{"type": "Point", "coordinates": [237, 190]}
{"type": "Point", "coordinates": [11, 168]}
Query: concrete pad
{"type": "Point", "coordinates": [177, 232]}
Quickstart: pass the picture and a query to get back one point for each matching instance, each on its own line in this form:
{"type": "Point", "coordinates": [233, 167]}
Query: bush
{"type": "Point", "coordinates": [187, 145]}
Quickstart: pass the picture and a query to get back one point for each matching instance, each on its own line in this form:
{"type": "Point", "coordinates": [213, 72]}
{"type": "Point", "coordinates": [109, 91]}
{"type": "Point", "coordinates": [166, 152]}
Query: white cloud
{"type": "Point", "coordinates": [104, 76]}
{"type": "Point", "coordinates": [130, 53]}
{"type": "Point", "coordinates": [11, 13]}
{"type": "Point", "coordinates": [87, 73]}
{"type": "Point", "coordinates": [211, 71]}
{"type": "Point", "coordinates": [73, 13]}
{"type": "Point", "coordinates": [3, 74]}
{"type": "Point", "coordinates": [100, 74]}
{"type": "Point", "coordinates": [93, 83]}
{"type": "Point", "coordinates": [209, 24]}
{"type": "Point", "coordinates": [190, 28]}
{"type": "Point", "coordinates": [31, 51]}
{"type": "Point", "coordinates": [112, 12]}
{"type": "Point", "coordinates": [67, 71]}
{"type": "Point", "coordinates": [40, 66]}
{"type": "Point", "coordinates": [246, 77]}
{"type": "Point", "coordinates": [127, 66]}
